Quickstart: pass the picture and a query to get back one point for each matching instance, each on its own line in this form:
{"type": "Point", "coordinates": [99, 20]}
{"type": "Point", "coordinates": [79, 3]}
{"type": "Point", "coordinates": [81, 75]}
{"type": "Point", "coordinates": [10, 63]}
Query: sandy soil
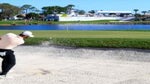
{"type": "Point", "coordinates": [52, 65]}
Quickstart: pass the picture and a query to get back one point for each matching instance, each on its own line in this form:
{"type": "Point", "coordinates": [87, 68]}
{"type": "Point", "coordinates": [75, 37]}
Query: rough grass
{"type": "Point", "coordinates": [103, 42]}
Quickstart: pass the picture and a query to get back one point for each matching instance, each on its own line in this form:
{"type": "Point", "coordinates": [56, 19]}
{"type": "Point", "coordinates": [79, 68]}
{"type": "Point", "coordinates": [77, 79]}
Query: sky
{"type": "Point", "coordinates": [87, 5]}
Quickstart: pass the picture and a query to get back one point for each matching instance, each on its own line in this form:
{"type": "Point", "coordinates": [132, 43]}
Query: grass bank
{"type": "Point", "coordinates": [102, 22]}
{"type": "Point", "coordinates": [24, 22]}
{"type": "Point", "coordinates": [94, 39]}
{"type": "Point", "coordinates": [103, 42]}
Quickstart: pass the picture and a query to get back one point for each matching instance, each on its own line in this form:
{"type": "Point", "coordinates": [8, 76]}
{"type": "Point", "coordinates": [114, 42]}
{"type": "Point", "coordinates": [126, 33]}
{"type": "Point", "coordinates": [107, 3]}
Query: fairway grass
{"type": "Point", "coordinates": [98, 39]}
{"type": "Point", "coordinates": [85, 34]}
{"type": "Point", "coordinates": [93, 34]}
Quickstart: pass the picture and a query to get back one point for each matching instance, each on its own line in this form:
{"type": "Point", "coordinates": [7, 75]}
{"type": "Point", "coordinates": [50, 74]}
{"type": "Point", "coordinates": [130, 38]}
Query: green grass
{"type": "Point", "coordinates": [103, 42]}
{"type": "Point", "coordinates": [93, 34]}
{"type": "Point", "coordinates": [95, 39]}
{"type": "Point", "coordinates": [102, 22]}
{"type": "Point", "coordinates": [85, 34]}
{"type": "Point", "coordinates": [23, 22]}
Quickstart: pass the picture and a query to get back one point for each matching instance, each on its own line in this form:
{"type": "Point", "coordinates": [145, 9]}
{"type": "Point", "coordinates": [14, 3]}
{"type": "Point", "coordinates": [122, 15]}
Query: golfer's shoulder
{"type": "Point", "coordinates": [11, 35]}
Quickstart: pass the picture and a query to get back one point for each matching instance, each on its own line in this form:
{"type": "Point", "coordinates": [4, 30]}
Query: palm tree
{"type": "Point", "coordinates": [144, 12]}
{"type": "Point", "coordinates": [136, 10]}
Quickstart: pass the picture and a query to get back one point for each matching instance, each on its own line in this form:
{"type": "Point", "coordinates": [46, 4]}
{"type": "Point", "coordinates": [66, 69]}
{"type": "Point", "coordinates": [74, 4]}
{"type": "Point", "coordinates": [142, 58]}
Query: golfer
{"type": "Point", "coordinates": [7, 43]}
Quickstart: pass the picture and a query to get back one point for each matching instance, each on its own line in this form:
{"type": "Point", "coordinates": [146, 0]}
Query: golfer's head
{"type": "Point", "coordinates": [26, 34]}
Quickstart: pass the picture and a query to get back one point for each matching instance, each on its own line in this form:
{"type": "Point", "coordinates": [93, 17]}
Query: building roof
{"type": "Point", "coordinates": [114, 11]}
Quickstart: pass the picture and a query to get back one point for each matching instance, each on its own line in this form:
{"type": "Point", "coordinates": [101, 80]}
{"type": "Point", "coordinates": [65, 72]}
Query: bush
{"type": "Point", "coordinates": [64, 15]}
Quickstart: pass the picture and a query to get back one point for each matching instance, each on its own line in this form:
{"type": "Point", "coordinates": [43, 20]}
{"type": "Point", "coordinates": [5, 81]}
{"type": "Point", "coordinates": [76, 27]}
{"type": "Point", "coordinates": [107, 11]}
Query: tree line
{"type": "Point", "coordinates": [145, 16]}
{"type": "Point", "coordinates": [8, 11]}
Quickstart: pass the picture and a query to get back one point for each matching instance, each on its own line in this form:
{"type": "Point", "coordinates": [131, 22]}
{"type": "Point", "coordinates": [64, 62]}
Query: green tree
{"type": "Point", "coordinates": [34, 9]}
{"type": "Point", "coordinates": [53, 10]}
{"type": "Point", "coordinates": [136, 10]}
{"type": "Point", "coordinates": [81, 12]}
{"type": "Point", "coordinates": [92, 11]}
{"type": "Point", "coordinates": [69, 8]}
{"type": "Point", "coordinates": [8, 10]}
{"type": "Point", "coordinates": [32, 16]}
{"type": "Point", "coordinates": [48, 10]}
{"type": "Point", "coordinates": [144, 12]}
{"type": "Point", "coordinates": [25, 8]}
{"type": "Point", "coordinates": [28, 8]}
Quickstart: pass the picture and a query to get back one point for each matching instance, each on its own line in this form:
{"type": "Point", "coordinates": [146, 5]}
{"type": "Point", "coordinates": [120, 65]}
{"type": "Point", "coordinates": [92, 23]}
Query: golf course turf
{"type": "Point", "coordinates": [94, 39]}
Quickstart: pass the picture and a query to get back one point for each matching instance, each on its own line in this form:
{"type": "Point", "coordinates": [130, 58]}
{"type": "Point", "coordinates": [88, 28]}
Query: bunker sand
{"type": "Point", "coordinates": [52, 65]}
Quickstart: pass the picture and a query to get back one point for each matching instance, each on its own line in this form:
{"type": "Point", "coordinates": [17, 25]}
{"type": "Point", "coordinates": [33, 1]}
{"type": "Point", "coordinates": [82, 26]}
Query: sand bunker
{"type": "Point", "coordinates": [52, 65]}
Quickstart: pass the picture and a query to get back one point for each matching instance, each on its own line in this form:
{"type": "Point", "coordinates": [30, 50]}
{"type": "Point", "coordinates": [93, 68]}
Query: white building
{"type": "Point", "coordinates": [114, 13]}
{"type": "Point", "coordinates": [100, 15]}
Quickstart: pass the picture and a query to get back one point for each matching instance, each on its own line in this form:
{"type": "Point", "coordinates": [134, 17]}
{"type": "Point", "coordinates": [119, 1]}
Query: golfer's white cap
{"type": "Point", "coordinates": [28, 33]}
